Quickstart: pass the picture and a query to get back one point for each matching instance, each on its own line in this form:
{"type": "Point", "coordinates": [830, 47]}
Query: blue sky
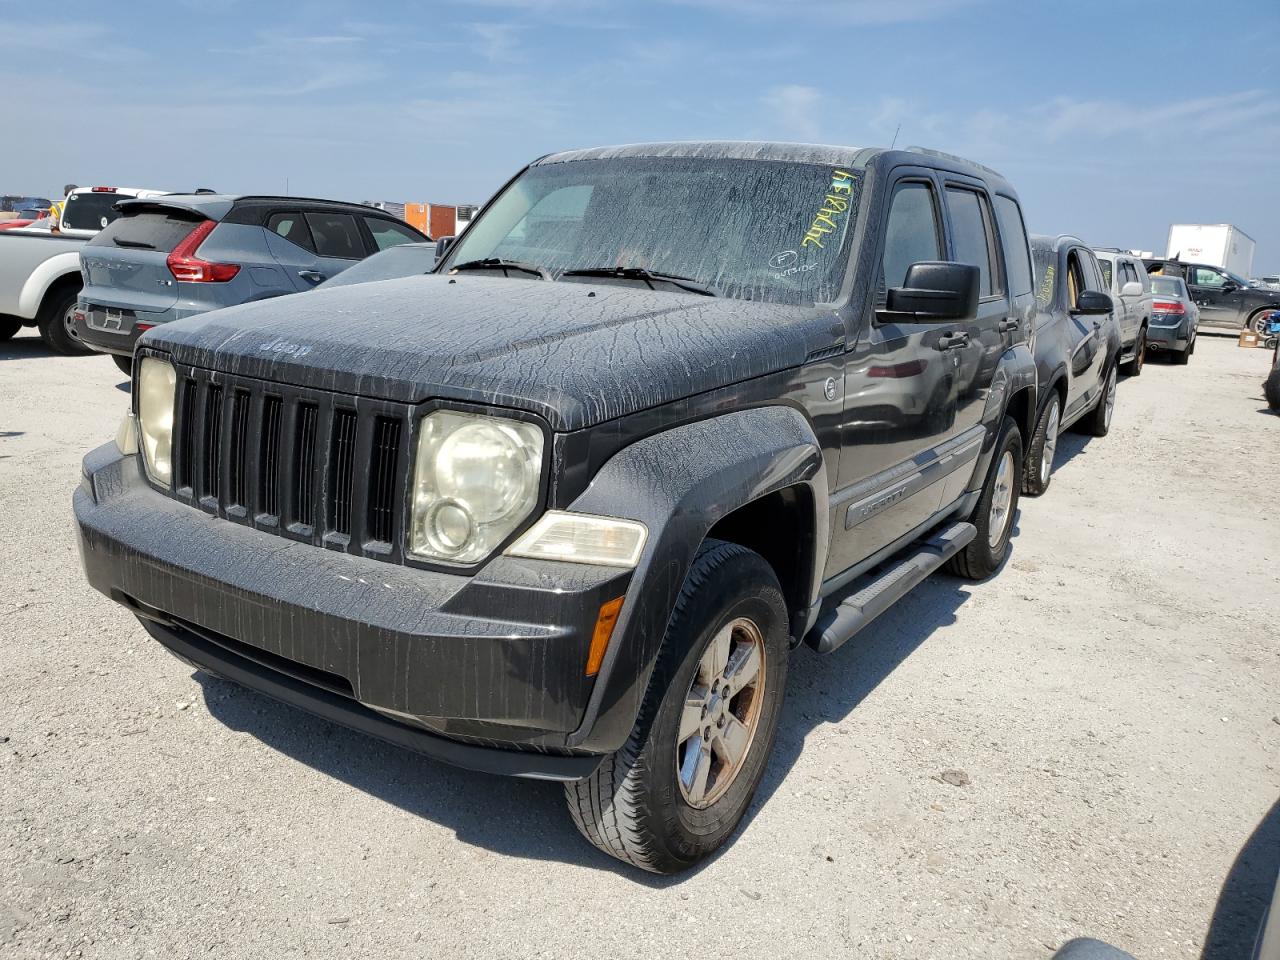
{"type": "Point", "coordinates": [1113, 119]}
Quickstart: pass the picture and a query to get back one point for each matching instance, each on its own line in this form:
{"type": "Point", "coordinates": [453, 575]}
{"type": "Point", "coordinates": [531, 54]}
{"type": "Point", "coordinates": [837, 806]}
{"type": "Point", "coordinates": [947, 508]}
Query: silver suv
{"type": "Point", "coordinates": [170, 257]}
{"type": "Point", "coordinates": [1130, 287]}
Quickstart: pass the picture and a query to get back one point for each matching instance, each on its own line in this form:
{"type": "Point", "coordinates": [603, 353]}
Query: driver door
{"type": "Point", "coordinates": [1213, 293]}
{"type": "Point", "coordinates": [900, 393]}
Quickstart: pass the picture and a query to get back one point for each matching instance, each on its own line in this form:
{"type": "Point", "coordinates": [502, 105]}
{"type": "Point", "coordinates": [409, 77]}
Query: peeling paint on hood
{"type": "Point", "coordinates": [574, 353]}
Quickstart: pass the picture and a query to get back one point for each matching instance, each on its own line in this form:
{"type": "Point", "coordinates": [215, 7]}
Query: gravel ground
{"type": "Point", "coordinates": [1086, 744]}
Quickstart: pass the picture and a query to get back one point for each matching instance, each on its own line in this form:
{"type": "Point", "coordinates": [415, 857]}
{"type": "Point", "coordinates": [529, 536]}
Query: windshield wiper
{"type": "Point", "coordinates": [138, 244]}
{"type": "Point", "coordinates": [497, 263]}
{"type": "Point", "coordinates": [649, 276]}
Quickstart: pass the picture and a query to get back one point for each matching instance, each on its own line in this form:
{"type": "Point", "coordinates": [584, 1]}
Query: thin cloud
{"type": "Point", "coordinates": [794, 109]}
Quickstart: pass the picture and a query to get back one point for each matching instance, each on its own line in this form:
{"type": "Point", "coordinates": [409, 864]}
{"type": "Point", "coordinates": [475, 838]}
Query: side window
{"type": "Point", "coordinates": [971, 226]}
{"type": "Point", "coordinates": [1106, 266]}
{"type": "Point", "coordinates": [1092, 274]}
{"type": "Point", "coordinates": [293, 228]}
{"type": "Point", "coordinates": [1206, 277]}
{"type": "Point", "coordinates": [1013, 237]}
{"type": "Point", "coordinates": [388, 233]}
{"type": "Point", "coordinates": [1130, 274]}
{"type": "Point", "coordinates": [336, 235]}
{"type": "Point", "coordinates": [1075, 279]}
{"type": "Point", "coordinates": [912, 232]}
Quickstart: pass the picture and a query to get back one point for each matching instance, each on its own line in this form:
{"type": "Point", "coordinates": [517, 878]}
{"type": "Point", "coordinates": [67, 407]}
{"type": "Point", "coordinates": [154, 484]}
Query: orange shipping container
{"type": "Point", "coordinates": [434, 219]}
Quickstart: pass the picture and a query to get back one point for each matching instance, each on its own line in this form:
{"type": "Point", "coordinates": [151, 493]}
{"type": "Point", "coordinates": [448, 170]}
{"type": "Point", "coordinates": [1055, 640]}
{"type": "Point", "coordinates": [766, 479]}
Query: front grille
{"type": "Point", "coordinates": [319, 467]}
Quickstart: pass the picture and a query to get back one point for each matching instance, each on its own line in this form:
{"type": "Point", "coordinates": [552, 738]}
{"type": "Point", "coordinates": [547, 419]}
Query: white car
{"type": "Point", "coordinates": [40, 265]}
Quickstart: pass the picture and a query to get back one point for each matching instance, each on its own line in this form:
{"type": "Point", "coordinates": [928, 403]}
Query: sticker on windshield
{"type": "Point", "coordinates": [835, 206]}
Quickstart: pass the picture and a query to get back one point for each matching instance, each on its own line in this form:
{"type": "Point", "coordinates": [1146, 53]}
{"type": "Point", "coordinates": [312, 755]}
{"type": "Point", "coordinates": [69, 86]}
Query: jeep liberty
{"type": "Point", "coordinates": [561, 508]}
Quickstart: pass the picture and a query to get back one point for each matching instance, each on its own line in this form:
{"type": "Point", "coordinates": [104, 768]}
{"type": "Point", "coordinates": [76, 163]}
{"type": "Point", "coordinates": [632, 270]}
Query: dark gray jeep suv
{"type": "Point", "coordinates": [560, 508]}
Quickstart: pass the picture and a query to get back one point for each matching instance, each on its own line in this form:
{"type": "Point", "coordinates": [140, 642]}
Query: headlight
{"type": "Point", "coordinates": [156, 381]}
{"type": "Point", "coordinates": [476, 480]}
{"type": "Point", "coordinates": [580, 538]}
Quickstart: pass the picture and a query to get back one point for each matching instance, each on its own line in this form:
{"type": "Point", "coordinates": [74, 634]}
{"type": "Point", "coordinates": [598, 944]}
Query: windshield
{"type": "Point", "coordinates": [89, 211]}
{"type": "Point", "coordinates": [406, 260]}
{"type": "Point", "coordinates": [749, 229]}
{"type": "Point", "coordinates": [1166, 286]}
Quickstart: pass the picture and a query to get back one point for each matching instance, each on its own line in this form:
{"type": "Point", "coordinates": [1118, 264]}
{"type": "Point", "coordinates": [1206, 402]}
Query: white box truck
{"type": "Point", "coordinates": [1215, 244]}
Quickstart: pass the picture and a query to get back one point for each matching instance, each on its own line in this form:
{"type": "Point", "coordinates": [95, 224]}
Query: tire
{"type": "Point", "coordinates": [1183, 357]}
{"type": "Point", "coordinates": [9, 327]}
{"type": "Point", "coordinates": [1037, 471]}
{"type": "Point", "coordinates": [124, 363]}
{"type": "Point", "coordinates": [1134, 367]}
{"type": "Point", "coordinates": [54, 324]}
{"type": "Point", "coordinates": [1098, 422]}
{"type": "Point", "coordinates": [1271, 388]}
{"type": "Point", "coordinates": [984, 554]}
{"type": "Point", "coordinates": [635, 806]}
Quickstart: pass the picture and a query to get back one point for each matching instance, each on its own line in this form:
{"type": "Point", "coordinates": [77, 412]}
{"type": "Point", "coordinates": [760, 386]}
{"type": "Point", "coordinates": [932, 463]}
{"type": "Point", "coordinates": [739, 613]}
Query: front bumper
{"type": "Point", "coordinates": [484, 671]}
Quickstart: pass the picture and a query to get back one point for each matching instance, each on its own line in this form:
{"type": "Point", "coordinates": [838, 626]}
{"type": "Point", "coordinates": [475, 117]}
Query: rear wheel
{"type": "Point", "coordinates": [678, 787]}
{"type": "Point", "coordinates": [993, 516]}
{"type": "Point", "coordinates": [124, 363]}
{"type": "Point", "coordinates": [1134, 367]}
{"type": "Point", "coordinates": [1271, 388]}
{"type": "Point", "coordinates": [1038, 469]}
{"type": "Point", "coordinates": [9, 327]}
{"type": "Point", "coordinates": [55, 322]}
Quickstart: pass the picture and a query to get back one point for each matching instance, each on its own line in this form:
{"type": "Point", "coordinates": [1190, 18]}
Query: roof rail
{"type": "Point", "coordinates": [939, 154]}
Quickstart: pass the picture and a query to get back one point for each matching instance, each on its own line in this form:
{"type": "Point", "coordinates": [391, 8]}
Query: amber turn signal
{"type": "Point", "coordinates": [605, 622]}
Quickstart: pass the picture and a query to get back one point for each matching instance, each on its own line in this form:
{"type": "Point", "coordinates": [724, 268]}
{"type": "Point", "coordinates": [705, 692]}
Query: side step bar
{"type": "Point", "coordinates": [878, 591]}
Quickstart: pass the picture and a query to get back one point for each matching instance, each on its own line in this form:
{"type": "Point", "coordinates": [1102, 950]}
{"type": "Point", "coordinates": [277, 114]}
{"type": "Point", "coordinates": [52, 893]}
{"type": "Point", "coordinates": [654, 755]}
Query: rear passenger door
{"type": "Point", "coordinates": [974, 240]}
{"type": "Point", "coordinates": [338, 241]}
{"type": "Point", "coordinates": [290, 242]}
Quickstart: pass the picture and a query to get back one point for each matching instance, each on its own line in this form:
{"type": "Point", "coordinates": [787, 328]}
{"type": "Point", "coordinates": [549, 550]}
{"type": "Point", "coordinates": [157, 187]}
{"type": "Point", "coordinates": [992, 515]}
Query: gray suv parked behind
{"type": "Point", "coordinates": [170, 257]}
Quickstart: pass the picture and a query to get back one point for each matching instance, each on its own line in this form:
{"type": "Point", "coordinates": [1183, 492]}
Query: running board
{"type": "Point", "coordinates": [877, 592]}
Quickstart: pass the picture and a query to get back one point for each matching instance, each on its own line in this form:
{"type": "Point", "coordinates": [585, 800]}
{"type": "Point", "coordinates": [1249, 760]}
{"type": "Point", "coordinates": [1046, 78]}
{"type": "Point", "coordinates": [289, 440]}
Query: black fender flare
{"type": "Point", "coordinates": [1015, 373]}
{"type": "Point", "coordinates": [679, 483]}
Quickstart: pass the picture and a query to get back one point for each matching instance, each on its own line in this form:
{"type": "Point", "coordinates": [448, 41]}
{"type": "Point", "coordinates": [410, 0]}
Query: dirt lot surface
{"type": "Point", "coordinates": [1087, 744]}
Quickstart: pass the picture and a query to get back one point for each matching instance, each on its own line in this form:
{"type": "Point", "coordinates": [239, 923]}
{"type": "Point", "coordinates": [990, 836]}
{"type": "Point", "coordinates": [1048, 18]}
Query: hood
{"type": "Point", "coordinates": [574, 353]}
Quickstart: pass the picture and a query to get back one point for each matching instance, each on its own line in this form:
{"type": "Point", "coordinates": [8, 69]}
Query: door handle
{"type": "Point", "coordinates": [315, 276]}
{"type": "Point", "coordinates": [1097, 324]}
{"type": "Point", "coordinates": [953, 341]}
{"type": "Point", "coordinates": [1007, 324]}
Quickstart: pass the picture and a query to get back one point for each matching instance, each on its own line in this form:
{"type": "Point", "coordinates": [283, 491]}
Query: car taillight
{"type": "Point", "coordinates": [187, 267]}
{"type": "Point", "coordinates": [1169, 306]}
{"type": "Point", "coordinates": [911, 368]}
{"type": "Point", "coordinates": [103, 190]}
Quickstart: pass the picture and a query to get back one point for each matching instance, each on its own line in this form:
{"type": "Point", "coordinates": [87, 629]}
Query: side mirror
{"type": "Point", "coordinates": [442, 247]}
{"type": "Point", "coordinates": [1131, 289]}
{"type": "Point", "coordinates": [936, 291]}
{"type": "Point", "coordinates": [1093, 302]}
{"type": "Point", "coordinates": [1230, 287]}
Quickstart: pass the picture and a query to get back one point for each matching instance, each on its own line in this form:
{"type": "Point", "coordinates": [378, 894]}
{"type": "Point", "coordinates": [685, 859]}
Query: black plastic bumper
{"type": "Point", "coordinates": [485, 671]}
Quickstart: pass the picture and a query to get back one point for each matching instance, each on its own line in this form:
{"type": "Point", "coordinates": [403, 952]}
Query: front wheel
{"type": "Point", "coordinates": [55, 323]}
{"type": "Point", "coordinates": [993, 516]}
{"type": "Point", "coordinates": [678, 787]}
{"type": "Point", "coordinates": [1098, 422]}
{"type": "Point", "coordinates": [1038, 469]}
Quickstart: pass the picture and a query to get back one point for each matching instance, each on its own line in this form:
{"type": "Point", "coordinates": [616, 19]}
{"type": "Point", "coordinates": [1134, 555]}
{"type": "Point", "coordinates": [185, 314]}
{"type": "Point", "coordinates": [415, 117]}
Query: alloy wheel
{"type": "Point", "coordinates": [1110, 399]}
{"type": "Point", "coordinates": [721, 713]}
{"type": "Point", "coordinates": [1001, 501]}
{"type": "Point", "coordinates": [1050, 443]}
{"type": "Point", "coordinates": [69, 322]}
